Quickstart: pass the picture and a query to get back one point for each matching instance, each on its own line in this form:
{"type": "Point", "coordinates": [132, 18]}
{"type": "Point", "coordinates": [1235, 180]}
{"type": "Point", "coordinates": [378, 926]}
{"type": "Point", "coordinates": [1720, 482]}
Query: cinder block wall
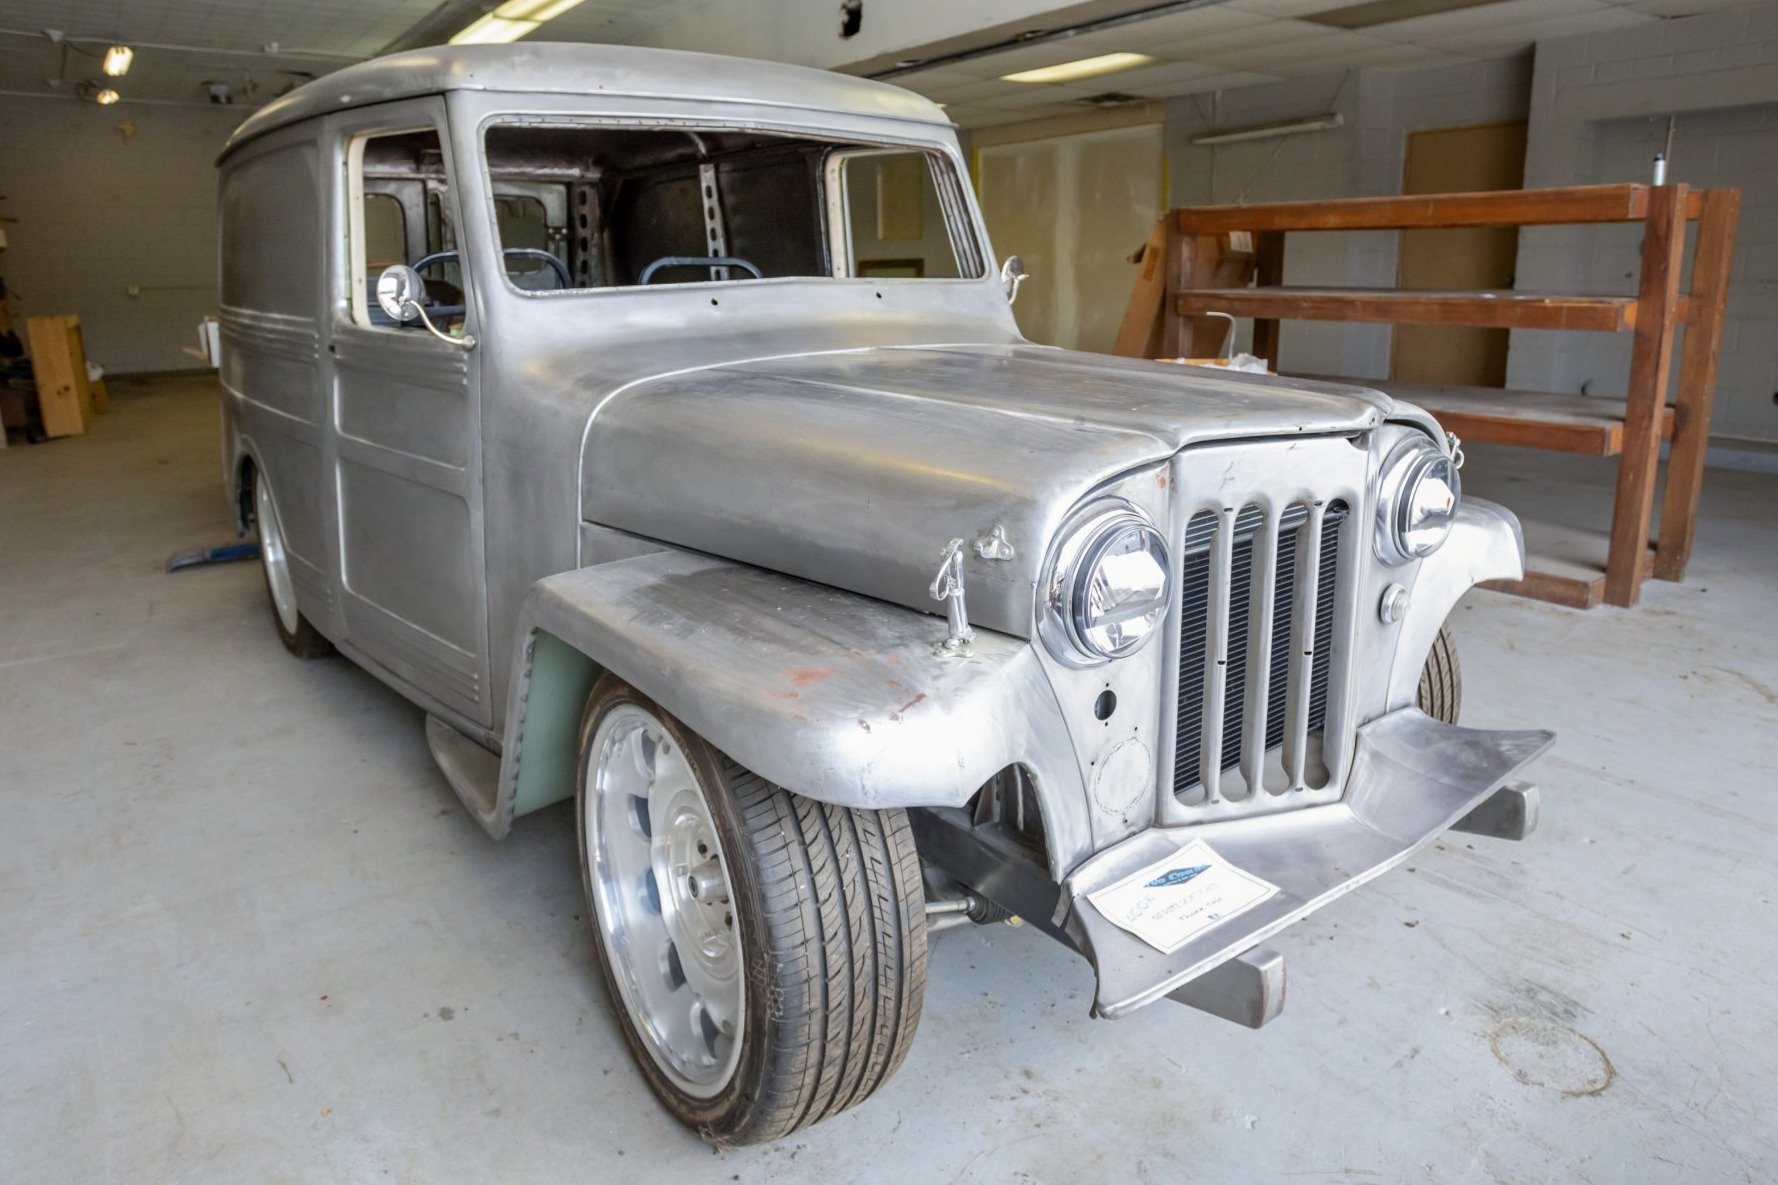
{"type": "Point", "coordinates": [1597, 108]}
{"type": "Point", "coordinates": [1599, 111]}
{"type": "Point", "coordinates": [1365, 157]}
{"type": "Point", "coordinates": [103, 200]}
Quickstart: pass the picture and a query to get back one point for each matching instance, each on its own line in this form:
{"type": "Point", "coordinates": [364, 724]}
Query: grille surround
{"type": "Point", "coordinates": [1285, 644]}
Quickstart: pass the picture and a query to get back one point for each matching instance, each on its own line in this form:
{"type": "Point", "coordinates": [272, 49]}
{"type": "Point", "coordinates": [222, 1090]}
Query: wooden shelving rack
{"type": "Point", "coordinates": [1165, 319]}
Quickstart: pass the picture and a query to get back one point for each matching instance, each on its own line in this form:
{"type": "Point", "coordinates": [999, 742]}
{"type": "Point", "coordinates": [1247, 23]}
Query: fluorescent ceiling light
{"type": "Point", "coordinates": [106, 97]}
{"type": "Point", "coordinates": [511, 21]}
{"type": "Point", "coordinates": [1105, 63]}
{"type": "Point", "coordinates": [117, 60]}
{"type": "Point", "coordinates": [1268, 131]}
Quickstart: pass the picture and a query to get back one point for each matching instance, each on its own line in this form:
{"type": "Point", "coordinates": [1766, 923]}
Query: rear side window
{"type": "Point", "coordinates": [673, 206]}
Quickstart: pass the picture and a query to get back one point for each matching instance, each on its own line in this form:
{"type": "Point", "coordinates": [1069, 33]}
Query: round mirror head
{"type": "Point", "coordinates": [400, 291]}
{"type": "Point", "coordinates": [1012, 274]}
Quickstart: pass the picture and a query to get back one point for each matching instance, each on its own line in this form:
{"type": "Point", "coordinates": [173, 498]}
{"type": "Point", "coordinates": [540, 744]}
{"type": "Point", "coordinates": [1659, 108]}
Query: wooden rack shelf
{"type": "Point", "coordinates": [1508, 207]}
{"type": "Point", "coordinates": [1493, 310]}
{"type": "Point", "coordinates": [1202, 261]}
{"type": "Point", "coordinates": [1581, 424]}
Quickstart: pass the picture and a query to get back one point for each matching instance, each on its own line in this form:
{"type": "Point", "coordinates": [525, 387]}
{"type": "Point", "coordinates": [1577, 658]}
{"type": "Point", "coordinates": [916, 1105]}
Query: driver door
{"type": "Point", "coordinates": [404, 450]}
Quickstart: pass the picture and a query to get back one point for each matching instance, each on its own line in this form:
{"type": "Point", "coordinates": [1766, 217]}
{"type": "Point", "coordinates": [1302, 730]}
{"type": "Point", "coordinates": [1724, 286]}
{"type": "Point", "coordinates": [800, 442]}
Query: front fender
{"type": "Point", "coordinates": [836, 696]}
{"type": "Point", "coordinates": [1485, 544]}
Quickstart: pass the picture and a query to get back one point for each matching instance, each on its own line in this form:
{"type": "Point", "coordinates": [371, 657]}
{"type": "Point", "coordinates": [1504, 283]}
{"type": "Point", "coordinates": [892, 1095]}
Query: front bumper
{"type": "Point", "coordinates": [1412, 778]}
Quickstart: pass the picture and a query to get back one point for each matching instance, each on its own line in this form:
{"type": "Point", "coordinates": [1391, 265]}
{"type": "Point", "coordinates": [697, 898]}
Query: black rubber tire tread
{"type": "Point", "coordinates": [306, 641]}
{"type": "Point", "coordinates": [832, 915]}
{"type": "Point", "coordinates": [1441, 679]}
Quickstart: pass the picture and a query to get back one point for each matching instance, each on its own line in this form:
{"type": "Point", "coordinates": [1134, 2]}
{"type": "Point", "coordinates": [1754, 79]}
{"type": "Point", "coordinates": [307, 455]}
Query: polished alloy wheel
{"type": "Point", "coordinates": [664, 900]}
{"type": "Point", "coordinates": [271, 554]}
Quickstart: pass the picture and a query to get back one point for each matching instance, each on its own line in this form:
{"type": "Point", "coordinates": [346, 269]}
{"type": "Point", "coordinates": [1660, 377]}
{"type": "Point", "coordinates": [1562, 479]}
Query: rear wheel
{"type": "Point", "coordinates": [765, 953]}
{"type": "Point", "coordinates": [1441, 679]}
{"type": "Point", "coordinates": [298, 636]}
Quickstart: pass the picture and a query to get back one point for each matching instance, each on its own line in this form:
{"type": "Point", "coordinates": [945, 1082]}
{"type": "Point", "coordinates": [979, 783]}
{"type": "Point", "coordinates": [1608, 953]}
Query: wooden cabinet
{"type": "Point", "coordinates": [65, 398]}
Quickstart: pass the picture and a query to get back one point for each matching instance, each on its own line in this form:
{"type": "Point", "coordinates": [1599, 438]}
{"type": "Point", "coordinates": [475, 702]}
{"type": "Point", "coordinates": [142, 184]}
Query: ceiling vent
{"type": "Point", "coordinates": [1386, 12]}
{"type": "Point", "coordinates": [1110, 99]}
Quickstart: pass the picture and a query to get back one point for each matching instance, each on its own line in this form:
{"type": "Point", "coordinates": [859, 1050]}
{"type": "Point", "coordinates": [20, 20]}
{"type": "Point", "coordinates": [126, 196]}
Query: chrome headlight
{"type": "Point", "coordinates": [1416, 501]}
{"type": "Point", "coordinates": [1106, 590]}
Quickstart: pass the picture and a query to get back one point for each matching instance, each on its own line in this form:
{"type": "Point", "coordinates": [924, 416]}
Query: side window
{"type": "Point", "coordinates": [894, 224]}
{"type": "Point", "coordinates": [394, 177]}
{"type": "Point", "coordinates": [523, 223]}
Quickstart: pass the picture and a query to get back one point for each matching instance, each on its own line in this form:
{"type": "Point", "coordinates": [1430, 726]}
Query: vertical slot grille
{"type": "Point", "coordinates": [1259, 644]}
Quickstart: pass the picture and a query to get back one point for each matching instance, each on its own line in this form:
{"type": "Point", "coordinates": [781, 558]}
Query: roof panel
{"type": "Point", "coordinates": [533, 67]}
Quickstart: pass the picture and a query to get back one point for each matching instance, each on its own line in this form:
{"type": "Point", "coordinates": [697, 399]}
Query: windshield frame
{"type": "Point", "coordinates": [962, 217]}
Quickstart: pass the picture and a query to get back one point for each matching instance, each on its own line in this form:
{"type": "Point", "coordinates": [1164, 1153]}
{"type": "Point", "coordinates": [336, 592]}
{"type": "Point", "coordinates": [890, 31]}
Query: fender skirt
{"type": "Point", "coordinates": [833, 695]}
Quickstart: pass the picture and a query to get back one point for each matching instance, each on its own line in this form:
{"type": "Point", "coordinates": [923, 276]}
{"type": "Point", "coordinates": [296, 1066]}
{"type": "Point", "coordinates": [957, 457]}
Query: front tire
{"type": "Point", "coordinates": [765, 953]}
{"type": "Point", "coordinates": [1441, 679]}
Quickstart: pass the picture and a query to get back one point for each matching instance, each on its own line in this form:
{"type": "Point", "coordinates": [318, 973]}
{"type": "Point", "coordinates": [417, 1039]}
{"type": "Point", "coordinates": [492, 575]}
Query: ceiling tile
{"type": "Point", "coordinates": [1287, 8]}
{"type": "Point", "coordinates": [1197, 22]}
{"type": "Point", "coordinates": [1224, 80]}
{"type": "Point", "coordinates": [1323, 53]}
{"type": "Point", "coordinates": [1510, 39]}
{"type": "Point", "coordinates": [1273, 31]}
{"type": "Point", "coordinates": [1674, 8]}
{"type": "Point", "coordinates": [1510, 14]}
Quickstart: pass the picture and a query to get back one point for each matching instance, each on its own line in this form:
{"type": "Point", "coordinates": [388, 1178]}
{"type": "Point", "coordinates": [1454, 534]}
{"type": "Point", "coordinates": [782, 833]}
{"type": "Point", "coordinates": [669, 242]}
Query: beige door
{"type": "Point", "coordinates": [1074, 207]}
{"type": "Point", "coordinates": [1458, 160]}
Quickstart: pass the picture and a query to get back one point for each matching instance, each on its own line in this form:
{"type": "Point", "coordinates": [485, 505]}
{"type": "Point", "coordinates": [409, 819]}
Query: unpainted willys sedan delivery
{"type": "Point", "coordinates": [657, 423]}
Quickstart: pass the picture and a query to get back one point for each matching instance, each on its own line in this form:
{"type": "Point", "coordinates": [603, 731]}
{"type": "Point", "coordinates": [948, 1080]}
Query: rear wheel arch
{"type": "Point", "coordinates": [241, 495]}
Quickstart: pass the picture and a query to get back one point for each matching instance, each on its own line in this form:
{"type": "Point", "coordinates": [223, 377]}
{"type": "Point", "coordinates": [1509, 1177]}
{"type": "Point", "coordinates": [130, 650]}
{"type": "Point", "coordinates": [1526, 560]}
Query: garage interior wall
{"type": "Point", "coordinates": [103, 202]}
{"type": "Point", "coordinates": [1599, 112]}
{"type": "Point", "coordinates": [1362, 158]}
{"type": "Point", "coordinates": [1597, 106]}
{"type": "Point", "coordinates": [1073, 207]}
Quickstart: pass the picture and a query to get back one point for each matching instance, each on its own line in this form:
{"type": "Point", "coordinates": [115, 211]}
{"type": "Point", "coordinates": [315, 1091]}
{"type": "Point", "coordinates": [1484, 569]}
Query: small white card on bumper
{"type": "Point", "coordinates": [1172, 901]}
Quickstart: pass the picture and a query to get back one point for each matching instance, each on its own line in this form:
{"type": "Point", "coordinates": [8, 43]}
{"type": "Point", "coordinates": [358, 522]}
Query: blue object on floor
{"type": "Point", "coordinates": [198, 556]}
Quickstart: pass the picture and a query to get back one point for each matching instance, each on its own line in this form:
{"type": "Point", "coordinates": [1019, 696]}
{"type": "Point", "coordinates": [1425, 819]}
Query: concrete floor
{"type": "Point", "coordinates": [247, 934]}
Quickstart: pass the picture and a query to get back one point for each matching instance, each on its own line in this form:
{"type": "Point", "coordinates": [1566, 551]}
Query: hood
{"type": "Point", "coordinates": [855, 468]}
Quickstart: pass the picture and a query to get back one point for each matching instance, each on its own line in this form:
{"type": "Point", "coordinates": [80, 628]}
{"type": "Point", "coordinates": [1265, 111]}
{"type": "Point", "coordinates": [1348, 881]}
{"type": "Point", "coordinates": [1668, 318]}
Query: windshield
{"type": "Point", "coordinates": [583, 207]}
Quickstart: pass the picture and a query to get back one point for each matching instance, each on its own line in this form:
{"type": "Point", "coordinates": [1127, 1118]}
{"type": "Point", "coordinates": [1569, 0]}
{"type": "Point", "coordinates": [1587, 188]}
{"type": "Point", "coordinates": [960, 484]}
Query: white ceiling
{"type": "Point", "coordinates": [314, 36]}
{"type": "Point", "coordinates": [1224, 45]}
{"type": "Point", "coordinates": [1244, 42]}
{"type": "Point", "coordinates": [622, 21]}
{"type": "Point", "coordinates": [358, 27]}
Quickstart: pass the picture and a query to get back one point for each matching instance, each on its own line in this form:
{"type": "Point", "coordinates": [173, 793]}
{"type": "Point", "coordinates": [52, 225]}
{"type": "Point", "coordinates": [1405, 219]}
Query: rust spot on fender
{"type": "Point", "coordinates": [803, 676]}
{"type": "Point", "coordinates": [896, 715]}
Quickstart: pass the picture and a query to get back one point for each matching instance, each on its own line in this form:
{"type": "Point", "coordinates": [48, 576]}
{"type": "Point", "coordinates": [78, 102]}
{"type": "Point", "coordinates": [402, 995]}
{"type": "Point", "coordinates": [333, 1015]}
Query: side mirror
{"type": "Point", "coordinates": [1012, 274]}
{"type": "Point", "coordinates": [400, 291]}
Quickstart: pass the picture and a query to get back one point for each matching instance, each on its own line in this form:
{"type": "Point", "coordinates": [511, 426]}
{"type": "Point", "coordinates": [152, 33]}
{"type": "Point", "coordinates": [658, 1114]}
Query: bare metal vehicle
{"type": "Point", "coordinates": [658, 423]}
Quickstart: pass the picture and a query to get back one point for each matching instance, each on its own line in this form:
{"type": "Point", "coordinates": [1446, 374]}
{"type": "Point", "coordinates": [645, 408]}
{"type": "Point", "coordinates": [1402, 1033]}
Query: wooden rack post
{"type": "Point", "coordinates": [1633, 428]}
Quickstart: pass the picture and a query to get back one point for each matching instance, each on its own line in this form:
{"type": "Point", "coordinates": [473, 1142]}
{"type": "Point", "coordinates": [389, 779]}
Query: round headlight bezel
{"type": "Point", "coordinates": [1064, 621]}
{"type": "Point", "coordinates": [1405, 531]}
